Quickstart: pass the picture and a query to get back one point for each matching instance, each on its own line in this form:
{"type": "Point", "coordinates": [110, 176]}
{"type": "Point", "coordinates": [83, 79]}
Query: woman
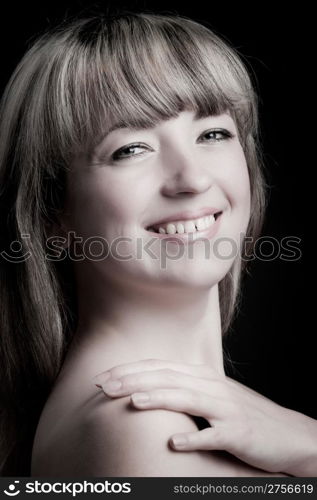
{"type": "Point", "coordinates": [131, 142]}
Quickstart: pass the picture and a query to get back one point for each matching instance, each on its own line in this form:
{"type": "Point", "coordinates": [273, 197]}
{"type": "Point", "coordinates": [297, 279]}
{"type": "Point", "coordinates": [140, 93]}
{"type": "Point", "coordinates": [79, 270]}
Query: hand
{"type": "Point", "coordinates": [243, 422]}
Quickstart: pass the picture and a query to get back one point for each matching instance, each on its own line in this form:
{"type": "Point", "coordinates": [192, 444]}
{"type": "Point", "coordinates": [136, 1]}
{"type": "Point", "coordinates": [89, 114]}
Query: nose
{"type": "Point", "coordinates": [186, 175]}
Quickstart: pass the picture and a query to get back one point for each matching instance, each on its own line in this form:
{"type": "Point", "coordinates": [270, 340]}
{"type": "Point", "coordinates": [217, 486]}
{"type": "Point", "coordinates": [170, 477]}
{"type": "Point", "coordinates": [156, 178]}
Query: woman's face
{"type": "Point", "coordinates": [141, 195]}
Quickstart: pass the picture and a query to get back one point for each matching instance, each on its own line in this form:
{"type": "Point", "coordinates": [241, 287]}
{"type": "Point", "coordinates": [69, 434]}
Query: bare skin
{"type": "Point", "coordinates": [135, 310]}
{"type": "Point", "coordinates": [82, 432]}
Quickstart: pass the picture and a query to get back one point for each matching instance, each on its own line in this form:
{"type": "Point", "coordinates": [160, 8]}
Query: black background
{"type": "Point", "coordinates": [272, 346]}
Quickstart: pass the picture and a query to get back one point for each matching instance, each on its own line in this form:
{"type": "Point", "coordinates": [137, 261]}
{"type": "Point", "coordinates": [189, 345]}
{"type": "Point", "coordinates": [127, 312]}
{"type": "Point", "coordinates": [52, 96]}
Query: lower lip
{"type": "Point", "coordinates": [207, 233]}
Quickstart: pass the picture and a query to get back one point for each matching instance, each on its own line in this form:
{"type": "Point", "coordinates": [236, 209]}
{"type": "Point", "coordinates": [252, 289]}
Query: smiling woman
{"type": "Point", "coordinates": [138, 133]}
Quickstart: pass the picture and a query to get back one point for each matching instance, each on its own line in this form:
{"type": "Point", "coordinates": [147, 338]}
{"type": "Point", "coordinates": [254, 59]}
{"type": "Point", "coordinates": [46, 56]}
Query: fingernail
{"type": "Point", "coordinates": [140, 398]}
{"type": "Point", "coordinates": [179, 441]}
{"type": "Point", "coordinates": [112, 386]}
{"type": "Point", "coordinates": [100, 379]}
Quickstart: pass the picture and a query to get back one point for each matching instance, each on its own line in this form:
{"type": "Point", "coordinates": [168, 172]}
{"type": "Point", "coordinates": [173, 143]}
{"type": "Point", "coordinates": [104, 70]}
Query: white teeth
{"type": "Point", "coordinates": [171, 229]}
{"type": "Point", "coordinates": [187, 226]}
{"type": "Point", "coordinates": [190, 227]}
{"type": "Point", "coordinates": [200, 224]}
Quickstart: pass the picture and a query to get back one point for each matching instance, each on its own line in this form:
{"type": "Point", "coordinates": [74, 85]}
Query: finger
{"type": "Point", "coordinates": [118, 371]}
{"type": "Point", "coordinates": [148, 380]}
{"type": "Point", "coordinates": [195, 403]}
{"type": "Point", "coordinates": [158, 379]}
{"type": "Point", "coordinates": [206, 439]}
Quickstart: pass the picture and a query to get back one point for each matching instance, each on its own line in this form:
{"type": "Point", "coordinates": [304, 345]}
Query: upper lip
{"type": "Point", "coordinates": [186, 215]}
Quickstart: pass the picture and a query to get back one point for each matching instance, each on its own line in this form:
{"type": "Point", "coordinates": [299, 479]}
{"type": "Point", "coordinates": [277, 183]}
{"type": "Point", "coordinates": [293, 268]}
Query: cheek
{"type": "Point", "coordinates": [236, 181]}
{"type": "Point", "coordinates": [99, 203]}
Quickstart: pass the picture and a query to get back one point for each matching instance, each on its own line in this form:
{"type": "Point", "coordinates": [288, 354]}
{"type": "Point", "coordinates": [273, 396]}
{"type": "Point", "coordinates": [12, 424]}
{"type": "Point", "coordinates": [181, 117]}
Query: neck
{"type": "Point", "coordinates": [134, 323]}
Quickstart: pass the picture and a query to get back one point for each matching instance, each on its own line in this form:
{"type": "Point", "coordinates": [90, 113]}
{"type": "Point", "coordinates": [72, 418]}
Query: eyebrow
{"type": "Point", "coordinates": [121, 125]}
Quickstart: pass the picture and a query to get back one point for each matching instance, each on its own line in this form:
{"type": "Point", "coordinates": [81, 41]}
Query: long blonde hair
{"type": "Point", "coordinates": [72, 83]}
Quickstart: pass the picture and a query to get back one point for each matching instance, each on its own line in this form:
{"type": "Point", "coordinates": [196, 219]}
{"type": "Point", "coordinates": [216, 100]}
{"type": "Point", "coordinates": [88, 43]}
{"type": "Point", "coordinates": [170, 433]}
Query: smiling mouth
{"type": "Point", "coordinates": [185, 226]}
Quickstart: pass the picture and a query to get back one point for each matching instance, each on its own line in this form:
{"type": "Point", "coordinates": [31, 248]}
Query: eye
{"type": "Point", "coordinates": [218, 135]}
{"type": "Point", "coordinates": [128, 151]}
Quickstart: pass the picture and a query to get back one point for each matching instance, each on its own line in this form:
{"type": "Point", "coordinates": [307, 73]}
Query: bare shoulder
{"type": "Point", "coordinates": [108, 437]}
{"type": "Point", "coordinates": [88, 434]}
{"type": "Point", "coordinates": [123, 441]}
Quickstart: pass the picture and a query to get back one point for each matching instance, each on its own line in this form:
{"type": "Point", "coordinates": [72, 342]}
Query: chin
{"type": "Point", "coordinates": [195, 273]}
